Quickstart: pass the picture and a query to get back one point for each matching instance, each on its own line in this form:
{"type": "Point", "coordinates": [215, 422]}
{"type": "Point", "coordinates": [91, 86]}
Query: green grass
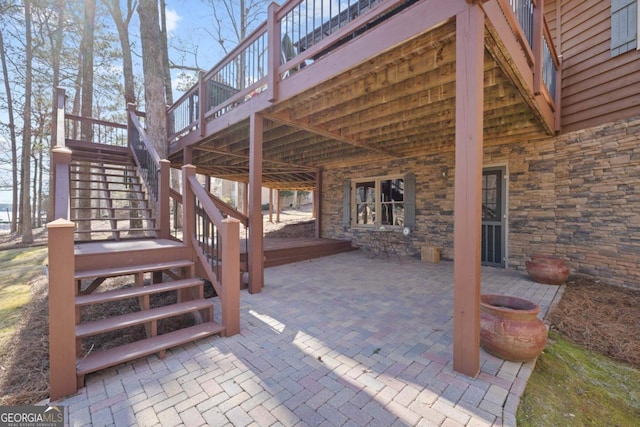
{"type": "Point", "coordinates": [571, 386]}
{"type": "Point", "coordinates": [18, 267]}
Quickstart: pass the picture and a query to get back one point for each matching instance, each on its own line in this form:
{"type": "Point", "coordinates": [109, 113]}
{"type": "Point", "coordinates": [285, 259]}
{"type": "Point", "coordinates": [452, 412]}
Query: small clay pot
{"type": "Point", "coordinates": [548, 269]}
{"type": "Point", "coordinates": [510, 328]}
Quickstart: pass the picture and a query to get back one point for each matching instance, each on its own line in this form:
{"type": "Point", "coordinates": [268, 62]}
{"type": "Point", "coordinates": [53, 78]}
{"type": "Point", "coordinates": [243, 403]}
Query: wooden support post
{"type": "Point", "coordinates": [62, 322]}
{"type": "Point", "coordinates": [468, 188]}
{"type": "Point", "coordinates": [57, 125]}
{"type": "Point", "coordinates": [245, 199]}
{"type": "Point", "coordinates": [271, 205]}
{"type": "Point", "coordinates": [61, 182]}
{"type": "Point", "coordinates": [188, 205]}
{"type": "Point", "coordinates": [230, 277]}
{"type": "Point", "coordinates": [256, 239]}
{"type": "Point", "coordinates": [538, 31]}
{"type": "Point", "coordinates": [273, 51]}
{"type": "Point", "coordinates": [278, 208]}
{"type": "Point", "coordinates": [203, 104]}
{"type": "Point", "coordinates": [317, 203]}
{"type": "Point", "coordinates": [164, 189]}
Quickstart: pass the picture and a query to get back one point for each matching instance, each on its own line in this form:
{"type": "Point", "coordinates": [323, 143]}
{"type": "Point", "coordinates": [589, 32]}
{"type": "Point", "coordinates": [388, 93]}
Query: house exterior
{"type": "Point", "coordinates": [492, 130]}
{"type": "Point", "coordinates": [573, 194]}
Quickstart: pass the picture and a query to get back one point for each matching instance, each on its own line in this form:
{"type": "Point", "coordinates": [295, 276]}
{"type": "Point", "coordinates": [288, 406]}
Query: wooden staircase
{"type": "Point", "coordinates": [119, 201]}
{"type": "Point", "coordinates": [156, 267]}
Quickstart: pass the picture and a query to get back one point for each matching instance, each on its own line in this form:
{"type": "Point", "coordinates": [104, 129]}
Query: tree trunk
{"type": "Point", "coordinates": [56, 48]}
{"type": "Point", "coordinates": [165, 53]}
{"type": "Point", "coordinates": [12, 136]}
{"type": "Point", "coordinates": [122, 25]}
{"type": "Point", "coordinates": [25, 214]}
{"type": "Point", "coordinates": [154, 93]}
{"type": "Point", "coordinates": [86, 110]}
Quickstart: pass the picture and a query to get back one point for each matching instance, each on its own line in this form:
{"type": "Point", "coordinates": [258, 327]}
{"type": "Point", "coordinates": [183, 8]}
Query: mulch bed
{"type": "Point", "coordinates": [601, 318]}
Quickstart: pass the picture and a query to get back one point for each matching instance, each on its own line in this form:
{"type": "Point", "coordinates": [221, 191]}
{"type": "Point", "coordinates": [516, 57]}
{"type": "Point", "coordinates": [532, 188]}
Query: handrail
{"type": "Point", "coordinates": [514, 22]}
{"type": "Point", "coordinates": [216, 243]}
{"type": "Point", "coordinates": [228, 210]}
{"type": "Point", "coordinates": [103, 131]}
{"type": "Point", "coordinates": [154, 171]}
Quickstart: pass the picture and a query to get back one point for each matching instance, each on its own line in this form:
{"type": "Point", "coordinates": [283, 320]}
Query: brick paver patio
{"type": "Point", "coordinates": [336, 341]}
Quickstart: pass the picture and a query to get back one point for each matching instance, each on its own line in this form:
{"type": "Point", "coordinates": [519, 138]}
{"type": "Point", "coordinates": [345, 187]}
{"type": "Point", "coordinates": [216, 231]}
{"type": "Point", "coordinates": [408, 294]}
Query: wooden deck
{"type": "Point", "coordinates": [279, 251]}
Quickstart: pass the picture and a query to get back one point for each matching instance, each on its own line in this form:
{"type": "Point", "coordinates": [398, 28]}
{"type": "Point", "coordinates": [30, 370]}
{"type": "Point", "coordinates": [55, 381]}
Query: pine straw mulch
{"type": "Point", "coordinates": [601, 318]}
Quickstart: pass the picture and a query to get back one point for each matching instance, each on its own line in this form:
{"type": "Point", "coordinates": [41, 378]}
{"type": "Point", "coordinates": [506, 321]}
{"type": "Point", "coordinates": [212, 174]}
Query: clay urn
{"type": "Point", "coordinates": [548, 269]}
{"type": "Point", "coordinates": [510, 328]}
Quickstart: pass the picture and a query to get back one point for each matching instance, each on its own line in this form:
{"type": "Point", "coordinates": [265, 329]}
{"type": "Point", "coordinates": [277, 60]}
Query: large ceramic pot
{"type": "Point", "coordinates": [510, 328]}
{"type": "Point", "coordinates": [548, 269]}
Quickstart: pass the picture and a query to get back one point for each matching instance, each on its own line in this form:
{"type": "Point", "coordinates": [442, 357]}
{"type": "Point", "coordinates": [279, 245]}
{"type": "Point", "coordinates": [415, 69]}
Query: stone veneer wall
{"type": "Point", "coordinates": [575, 196]}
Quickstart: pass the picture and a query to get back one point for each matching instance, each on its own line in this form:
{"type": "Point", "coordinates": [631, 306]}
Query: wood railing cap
{"type": "Point", "coordinates": [60, 223]}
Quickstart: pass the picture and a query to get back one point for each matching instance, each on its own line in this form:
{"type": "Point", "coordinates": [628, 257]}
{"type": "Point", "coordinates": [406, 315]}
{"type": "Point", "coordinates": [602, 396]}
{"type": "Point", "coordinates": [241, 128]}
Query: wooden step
{"type": "Point", "coordinates": [113, 159]}
{"type": "Point", "coordinates": [120, 173]}
{"type": "Point", "coordinates": [153, 220]}
{"type": "Point", "coordinates": [104, 166]}
{"type": "Point", "coordinates": [120, 294]}
{"type": "Point", "coordinates": [109, 324]}
{"type": "Point", "coordinates": [125, 353]}
{"type": "Point", "coordinates": [112, 182]}
{"type": "Point", "coordinates": [114, 208]}
{"type": "Point", "coordinates": [107, 198]}
{"type": "Point", "coordinates": [119, 190]}
{"type": "Point", "coordinates": [132, 269]}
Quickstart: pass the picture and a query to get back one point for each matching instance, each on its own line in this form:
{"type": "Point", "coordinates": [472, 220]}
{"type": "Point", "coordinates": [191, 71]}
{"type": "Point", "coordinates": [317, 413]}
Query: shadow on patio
{"type": "Point", "coordinates": [332, 341]}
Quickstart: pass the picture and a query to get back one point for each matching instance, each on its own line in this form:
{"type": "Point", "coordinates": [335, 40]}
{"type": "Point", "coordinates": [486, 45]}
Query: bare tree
{"type": "Point", "coordinates": [12, 136]}
{"type": "Point", "coordinates": [86, 110]}
{"type": "Point", "coordinates": [25, 211]}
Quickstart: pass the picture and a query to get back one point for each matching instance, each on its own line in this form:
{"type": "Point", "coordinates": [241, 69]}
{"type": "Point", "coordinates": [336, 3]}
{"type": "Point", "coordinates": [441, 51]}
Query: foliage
{"type": "Point", "coordinates": [571, 386]}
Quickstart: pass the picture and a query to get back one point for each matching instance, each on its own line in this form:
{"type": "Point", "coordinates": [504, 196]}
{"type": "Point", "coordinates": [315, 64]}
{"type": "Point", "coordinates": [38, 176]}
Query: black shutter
{"type": "Point", "coordinates": [410, 200]}
{"type": "Point", "coordinates": [346, 204]}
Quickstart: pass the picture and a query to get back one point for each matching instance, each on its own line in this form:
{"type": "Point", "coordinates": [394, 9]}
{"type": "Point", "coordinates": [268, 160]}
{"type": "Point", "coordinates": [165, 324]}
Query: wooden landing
{"type": "Point", "coordinates": [278, 251]}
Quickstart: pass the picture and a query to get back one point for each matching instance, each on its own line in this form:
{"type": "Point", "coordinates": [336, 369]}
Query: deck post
{"type": "Point", "coordinates": [273, 51]}
{"type": "Point", "coordinates": [468, 186]}
{"type": "Point", "coordinates": [188, 205]}
{"type": "Point", "coordinates": [278, 209]}
{"type": "Point", "coordinates": [256, 239]}
{"type": "Point", "coordinates": [62, 320]}
{"type": "Point", "coordinates": [230, 277]}
{"type": "Point", "coordinates": [317, 203]}
{"type": "Point", "coordinates": [163, 200]}
{"type": "Point", "coordinates": [61, 176]}
{"type": "Point", "coordinates": [271, 205]}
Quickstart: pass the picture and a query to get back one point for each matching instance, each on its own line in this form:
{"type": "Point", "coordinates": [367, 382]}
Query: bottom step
{"type": "Point", "coordinates": [135, 350]}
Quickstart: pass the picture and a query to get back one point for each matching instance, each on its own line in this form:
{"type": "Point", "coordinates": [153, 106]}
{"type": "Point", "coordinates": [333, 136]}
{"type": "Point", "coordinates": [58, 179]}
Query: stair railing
{"type": "Point", "coordinates": [216, 242]}
{"type": "Point", "coordinates": [154, 171]}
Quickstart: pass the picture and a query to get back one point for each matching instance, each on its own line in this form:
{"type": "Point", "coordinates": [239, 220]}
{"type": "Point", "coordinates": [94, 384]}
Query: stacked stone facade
{"type": "Point", "coordinates": [576, 196]}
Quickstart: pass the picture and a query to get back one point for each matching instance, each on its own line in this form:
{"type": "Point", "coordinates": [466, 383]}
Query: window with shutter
{"type": "Point", "coordinates": [624, 26]}
{"type": "Point", "coordinates": [381, 202]}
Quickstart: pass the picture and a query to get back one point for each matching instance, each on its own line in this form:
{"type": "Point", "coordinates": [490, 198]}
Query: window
{"type": "Point", "coordinates": [379, 202]}
{"type": "Point", "coordinates": [624, 26]}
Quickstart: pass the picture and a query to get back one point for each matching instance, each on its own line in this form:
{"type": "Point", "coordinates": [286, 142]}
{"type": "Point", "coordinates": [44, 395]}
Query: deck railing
{"type": "Point", "coordinates": [530, 28]}
{"type": "Point", "coordinates": [301, 31]}
{"type": "Point", "coordinates": [101, 131]}
{"type": "Point", "coordinates": [216, 242]}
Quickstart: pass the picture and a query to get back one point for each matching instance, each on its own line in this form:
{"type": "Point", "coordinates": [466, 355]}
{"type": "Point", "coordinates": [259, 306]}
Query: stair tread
{"type": "Point", "coordinates": [119, 294]}
{"type": "Point", "coordinates": [112, 219]}
{"type": "Point", "coordinates": [127, 352]}
{"type": "Point", "coordinates": [131, 269]}
{"type": "Point", "coordinates": [139, 317]}
{"type": "Point", "coordinates": [116, 230]}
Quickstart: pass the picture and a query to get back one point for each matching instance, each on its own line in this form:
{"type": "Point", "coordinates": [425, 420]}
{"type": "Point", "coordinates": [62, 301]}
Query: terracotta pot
{"type": "Point", "coordinates": [510, 328]}
{"type": "Point", "coordinates": [548, 269]}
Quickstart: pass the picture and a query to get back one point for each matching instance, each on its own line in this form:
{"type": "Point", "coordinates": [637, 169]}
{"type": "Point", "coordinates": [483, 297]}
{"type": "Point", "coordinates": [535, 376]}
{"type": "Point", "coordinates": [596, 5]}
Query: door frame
{"type": "Point", "coordinates": [504, 167]}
